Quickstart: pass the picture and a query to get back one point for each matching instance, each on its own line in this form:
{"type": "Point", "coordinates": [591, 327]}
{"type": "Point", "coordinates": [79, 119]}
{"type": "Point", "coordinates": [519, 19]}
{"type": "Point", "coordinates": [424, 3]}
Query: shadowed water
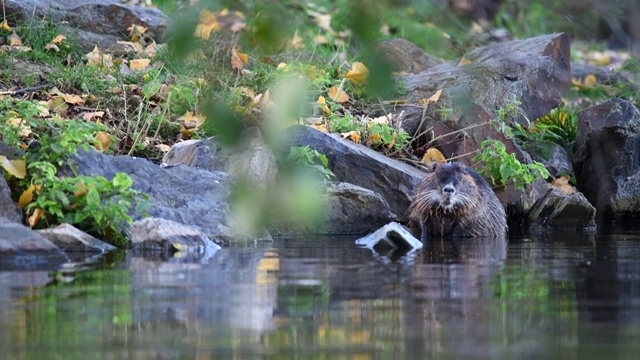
{"type": "Point", "coordinates": [568, 296]}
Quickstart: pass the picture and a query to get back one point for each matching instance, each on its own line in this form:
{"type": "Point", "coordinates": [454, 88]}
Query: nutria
{"type": "Point", "coordinates": [455, 201]}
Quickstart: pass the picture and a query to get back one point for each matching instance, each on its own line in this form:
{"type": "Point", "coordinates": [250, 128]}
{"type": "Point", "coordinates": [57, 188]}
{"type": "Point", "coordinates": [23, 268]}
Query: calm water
{"type": "Point", "coordinates": [566, 296]}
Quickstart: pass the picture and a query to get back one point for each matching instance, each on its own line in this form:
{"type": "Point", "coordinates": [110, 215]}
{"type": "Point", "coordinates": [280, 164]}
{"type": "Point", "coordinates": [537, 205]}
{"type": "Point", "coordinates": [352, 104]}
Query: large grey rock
{"type": "Point", "coordinates": [252, 160]}
{"type": "Point", "coordinates": [404, 55]}
{"type": "Point", "coordinates": [98, 22]}
{"type": "Point", "coordinates": [8, 208]}
{"type": "Point", "coordinates": [534, 71]}
{"type": "Point", "coordinates": [558, 209]}
{"type": "Point", "coordinates": [155, 234]}
{"type": "Point", "coordinates": [70, 239]}
{"type": "Point", "coordinates": [349, 209]}
{"type": "Point", "coordinates": [22, 248]}
{"type": "Point", "coordinates": [353, 163]}
{"type": "Point", "coordinates": [180, 193]}
{"type": "Point", "coordinates": [606, 158]}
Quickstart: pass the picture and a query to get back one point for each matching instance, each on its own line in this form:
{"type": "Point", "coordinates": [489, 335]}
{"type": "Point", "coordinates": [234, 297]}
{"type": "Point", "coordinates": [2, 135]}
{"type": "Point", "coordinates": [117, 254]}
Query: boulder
{"type": "Point", "coordinates": [534, 71]}
{"type": "Point", "coordinates": [405, 56]}
{"type": "Point", "coordinates": [21, 248]}
{"type": "Point", "coordinates": [558, 209]}
{"type": "Point", "coordinates": [155, 234]}
{"type": "Point", "coordinates": [606, 158]}
{"type": "Point", "coordinates": [70, 239]}
{"type": "Point", "coordinates": [94, 22]}
{"type": "Point", "coordinates": [180, 193]}
{"type": "Point", "coordinates": [356, 164]}
{"type": "Point", "coordinates": [349, 209]}
{"type": "Point", "coordinates": [252, 160]}
{"type": "Point", "coordinates": [8, 208]}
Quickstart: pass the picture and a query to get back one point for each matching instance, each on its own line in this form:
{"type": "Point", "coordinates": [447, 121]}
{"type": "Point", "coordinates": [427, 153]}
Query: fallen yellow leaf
{"type": "Point", "coordinates": [27, 196]}
{"type": "Point", "coordinates": [96, 57]}
{"type": "Point", "coordinates": [35, 217]}
{"type": "Point", "coordinates": [562, 183]}
{"type": "Point", "coordinates": [58, 39]}
{"type": "Point", "coordinates": [25, 130]}
{"type": "Point", "coordinates": [238, 59]}
{"type": "Point", "coordinates": [358, 73]}
{"type": "Point", "coordinates": [323, 105]}
{"type": "Point", "coordinates": [139, 64]}
{"type": "Point", "coordinates": [432, 156]}
{"type": "Point", "coordinates": [338, 95]}
{"type": "Point", "coordinates": [5, 25]}
{"type": "Point", "coordinates": [385, 119]}
{"type": "Point", "coordinates": [102, 141]}
{"type": "Point", "coordinates": [163, 148]}
{"type": "Point", "coordinates": [14, 39]}
{"type": "Point", "coordinates": [322, 127]}
{"type": "Point", "coordinates": [16, 167]}
{"type": "Point", "coordinates": [590, 81]}
{"type": "Point", "coordinates": [464, 61]}
{"type": "Point", "coordinates": [52, 47]}
{"type": "Point", "coordinates": [208, 23]}
{"type": "Point", "coordinates": [351, 135]}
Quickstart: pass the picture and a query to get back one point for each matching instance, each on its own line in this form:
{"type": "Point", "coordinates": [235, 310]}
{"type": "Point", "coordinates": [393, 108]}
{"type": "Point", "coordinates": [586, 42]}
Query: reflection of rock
{"type": "Point", "coordinates": [226, 292]}
{"type": "Point", "coordinates": [607, 158]}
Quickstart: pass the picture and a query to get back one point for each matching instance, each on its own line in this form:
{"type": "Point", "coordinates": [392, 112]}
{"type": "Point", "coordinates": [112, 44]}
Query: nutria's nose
{"type": "Point", "coordinates": [449, 189]}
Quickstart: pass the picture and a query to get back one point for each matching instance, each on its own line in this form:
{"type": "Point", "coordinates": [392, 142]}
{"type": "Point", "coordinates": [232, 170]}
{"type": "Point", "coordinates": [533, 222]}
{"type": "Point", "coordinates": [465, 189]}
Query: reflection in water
{"type": "Point", "coordinates": [562, 296]}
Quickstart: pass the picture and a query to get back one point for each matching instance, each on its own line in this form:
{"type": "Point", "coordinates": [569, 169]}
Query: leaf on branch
{"type": "Point", "coordinates": [207, 24]}
{"type": "Point", "coordinates": [35, 217]}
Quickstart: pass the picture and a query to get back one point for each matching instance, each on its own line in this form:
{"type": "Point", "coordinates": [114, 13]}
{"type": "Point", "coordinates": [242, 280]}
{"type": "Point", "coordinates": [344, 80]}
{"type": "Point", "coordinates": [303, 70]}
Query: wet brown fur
{"type": "Point", "coordinates": [471, 209]}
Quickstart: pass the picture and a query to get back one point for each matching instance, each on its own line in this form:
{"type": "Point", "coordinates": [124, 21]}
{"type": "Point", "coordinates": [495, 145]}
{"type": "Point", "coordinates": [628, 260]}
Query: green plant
{"type": "Point", "coordinates": [310, 159]}
{"type": "Point", "coordinates": [503, 168]}
{"type": "Point", "coordinates": [91, 203]}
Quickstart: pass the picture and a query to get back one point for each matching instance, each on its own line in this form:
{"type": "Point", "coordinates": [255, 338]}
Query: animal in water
{"type": "Point", "coordinates": [453, 201]}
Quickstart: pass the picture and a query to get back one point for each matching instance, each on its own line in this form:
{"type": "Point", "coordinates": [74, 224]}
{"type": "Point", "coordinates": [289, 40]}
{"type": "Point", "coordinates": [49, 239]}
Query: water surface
{"type": "Point", "coordinates": [569, 296]}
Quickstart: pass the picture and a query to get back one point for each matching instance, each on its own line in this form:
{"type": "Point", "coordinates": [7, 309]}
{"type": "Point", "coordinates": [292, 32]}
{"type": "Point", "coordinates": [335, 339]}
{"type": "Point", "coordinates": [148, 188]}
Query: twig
{"type": "Point", "coordinates": [27, 89]}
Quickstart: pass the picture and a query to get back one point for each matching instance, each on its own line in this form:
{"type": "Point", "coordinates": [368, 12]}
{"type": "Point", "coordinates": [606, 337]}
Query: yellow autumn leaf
{"type": "Point", "coordinates": [432, 156]}
{"type": "Point", "coordinates": [14, 39]}
{"type": "Point", "coordinates": [375, 138]}
{"type": "Point", "coordinates": [351, 135]}
{"type": "Point", "coordinates": [35, 217]}
{"type": "Point", "coordinates": [282, 66]}
{"type": "Point", "coordinates": [102, 141]}
{"type": "Point", "coordinates": [16, 167]}
{"type": "Point", "coordinates": [322, 127]}
{"type": "Point", "coordinates": [96, 57]}
{"type": "Point", "coordinates": [385, 119]}
{"type": "Point", "coordinates": [52, 47]}
{"type": "Point", "coordinates": [25, 130]}
{"type": "Point", "coordinates": [93, 116]}
{"type": "Point", "coordinates": [562, 183]}
{"type": "Point", "coordinates": [139, 64]}
{"type": "Point", "coordinates": [464, 61]}
{"type": "Point", "coordinates": [590, 81]}
{"type": "Point", "coordinates": [58, 39]}
{"type": "Point", "coordinates": [208, 23]}
{"type": "Point", "coordinates": [296, 42]}
{"type": "Point", "coordinates": [238, 59]}
{"type": "Point", "coordinates": [162, 147]}
{"type": "Point", "coordinates": [338, 95]}
{"type": "Point", "coordinates": [392, 143]}
{"type": "Point", "coordinates": [323, 105]}
{"type": "Point", "coordinates": [358, 73]}
{"type": "Point", "coordinates": [5, 25]}
{"type": "Point", "coordinates": [191, 120]}
{"type": "Point", "coordinates": [27, 196]}
{"type": "Point", "coordinates": [73, 99]}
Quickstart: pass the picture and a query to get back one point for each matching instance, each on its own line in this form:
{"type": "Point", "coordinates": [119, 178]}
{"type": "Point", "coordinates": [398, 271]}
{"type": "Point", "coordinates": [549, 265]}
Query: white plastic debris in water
{"type": "Point", "coordinates": [392, 235]}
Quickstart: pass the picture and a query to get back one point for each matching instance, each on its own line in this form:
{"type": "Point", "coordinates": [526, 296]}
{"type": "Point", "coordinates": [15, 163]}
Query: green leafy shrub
{"type": "Point", "coordinates": [310, 159]}
{"type": "Point", "coordinates": [92, 203]}
{"type": "Point", "coordinates": [503, 168]}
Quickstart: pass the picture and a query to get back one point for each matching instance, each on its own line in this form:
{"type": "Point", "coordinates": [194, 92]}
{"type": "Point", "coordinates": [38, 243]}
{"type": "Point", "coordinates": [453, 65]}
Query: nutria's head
{"type": "Point", "coordinates": [448, 188]}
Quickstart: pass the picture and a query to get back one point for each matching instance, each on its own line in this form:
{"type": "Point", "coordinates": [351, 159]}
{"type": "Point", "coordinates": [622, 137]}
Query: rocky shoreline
{"type": "Point", "coordinates": [189, 194]}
